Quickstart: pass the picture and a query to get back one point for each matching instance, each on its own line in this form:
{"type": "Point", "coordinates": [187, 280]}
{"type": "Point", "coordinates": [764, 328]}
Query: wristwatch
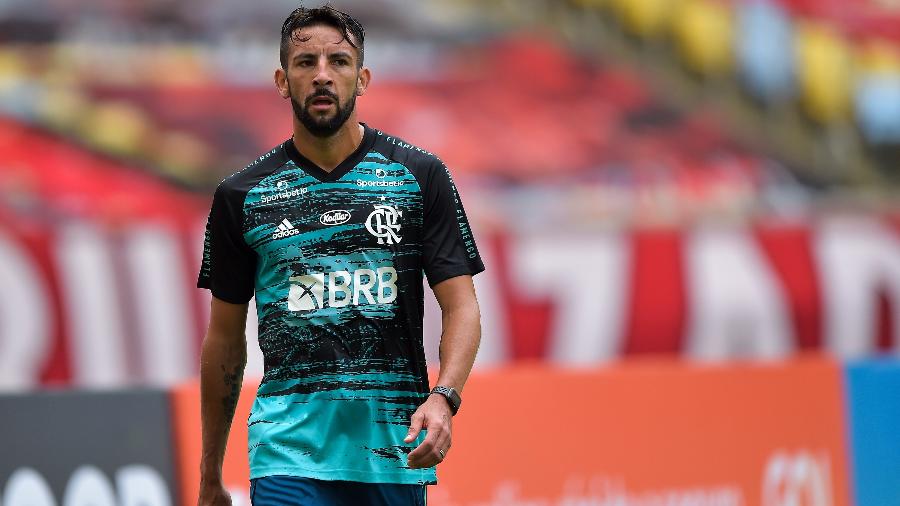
{"type": "Point", "coordinates": [451, 395]}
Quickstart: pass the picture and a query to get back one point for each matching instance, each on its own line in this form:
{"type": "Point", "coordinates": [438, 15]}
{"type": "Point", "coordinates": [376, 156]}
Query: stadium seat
{"type": "Point", "coordinates": [823, 72]}
{"type": "Point", "coordinates": [766, 69]}
{"type": "Point", "coordinates": [704, 34]}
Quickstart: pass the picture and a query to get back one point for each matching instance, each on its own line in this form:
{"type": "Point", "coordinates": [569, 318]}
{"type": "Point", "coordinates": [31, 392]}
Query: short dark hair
{"type": "Point", "coordinates": [353, 31]}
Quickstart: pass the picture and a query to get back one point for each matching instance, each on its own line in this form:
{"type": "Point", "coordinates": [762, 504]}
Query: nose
{"type": "Point", "coordinates": [322, 78]}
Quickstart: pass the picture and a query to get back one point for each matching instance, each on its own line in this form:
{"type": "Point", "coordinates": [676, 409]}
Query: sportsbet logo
{"type": "Point", "coordinates": [342, 288]}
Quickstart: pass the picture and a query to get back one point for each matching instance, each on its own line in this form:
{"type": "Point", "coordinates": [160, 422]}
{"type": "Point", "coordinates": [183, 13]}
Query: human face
{"type": "Point", "coordinates": [322, 79]}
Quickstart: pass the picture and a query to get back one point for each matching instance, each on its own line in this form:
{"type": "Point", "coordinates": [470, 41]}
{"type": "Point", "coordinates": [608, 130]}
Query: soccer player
{"type": "Point", "coordinates": [332, 231]}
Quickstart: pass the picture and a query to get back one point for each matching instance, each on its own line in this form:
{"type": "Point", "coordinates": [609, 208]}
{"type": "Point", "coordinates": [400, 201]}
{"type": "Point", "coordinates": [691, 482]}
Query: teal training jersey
{"type": "Point", "coordinates": [335, 260]}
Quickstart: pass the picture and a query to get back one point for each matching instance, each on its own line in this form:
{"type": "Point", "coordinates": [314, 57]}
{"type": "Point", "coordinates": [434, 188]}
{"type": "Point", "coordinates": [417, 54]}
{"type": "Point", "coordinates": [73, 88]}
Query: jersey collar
{"type": "Point", "coordinates": [344, 167]}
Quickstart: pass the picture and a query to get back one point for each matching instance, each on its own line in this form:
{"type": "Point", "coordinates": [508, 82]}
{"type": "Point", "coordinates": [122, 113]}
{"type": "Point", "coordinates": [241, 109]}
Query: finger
{"type": "Point", "coordinates": [426, 454]}
{"type": "Point", "coordinates": [442, 446]}
{"type": "Point", "coordinates": [415, 426]}
{"type": "Point", "coordinates": [425, 448]}
{"type": "Point", "coordinates": [420, 455]}
{"type": "Point", "coordinates": [430, 458]}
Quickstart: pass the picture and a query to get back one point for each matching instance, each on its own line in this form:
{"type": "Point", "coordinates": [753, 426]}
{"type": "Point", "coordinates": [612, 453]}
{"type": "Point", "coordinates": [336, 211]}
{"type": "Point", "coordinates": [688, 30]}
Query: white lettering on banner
{"type": "Point", "coordinates": [797, 479]}
{"type": "Point", "coordinates": [857, 258]}
{"type": "Point", "coordinates": [255, 363]}
{"type": "Point", "coordinates": [586, 279]}
{"type": "Point", "coordinates": [26, 487]}
{"type": "Point", "coordinates": [93, 306]}
{"type": "Point", "coordinates": [26, 319]}
{"type": "Point", "coordinates": [494, 345]}
{"type": "Point", "coordinates": [141, 485]}
{"type": "Point", "coordinates": [202, 297]}
{"type": "Point", "coordinates": [88, 486]}
{"type": "Point", "coordinates": [737, 308]}
{"type": "Point", "coordinates": [605, 491]}
{"type": "Point", "coordinates": [162, 309]}
{"type": "Point", "coordinates": [138, 485]}
{"type": "Point", "coordinates": [255, 366]}
{"type": "Point", "coordinates": [431, 328]}
{"type": "Point", "coordinates": [362, 286]}
{"type": "Point", "coordinates": [239, 496]}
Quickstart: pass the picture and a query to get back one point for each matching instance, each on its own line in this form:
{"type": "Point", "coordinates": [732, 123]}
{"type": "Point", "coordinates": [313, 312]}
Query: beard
{"type": "Point", "coordinates": [324, 126]}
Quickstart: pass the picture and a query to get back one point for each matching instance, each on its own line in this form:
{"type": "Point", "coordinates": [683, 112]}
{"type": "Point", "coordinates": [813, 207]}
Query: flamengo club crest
{"type": "Point", "coordinates": [384, 223]}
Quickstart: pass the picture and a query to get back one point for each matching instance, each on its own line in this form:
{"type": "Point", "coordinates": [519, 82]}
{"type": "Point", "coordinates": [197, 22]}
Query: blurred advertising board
{"type": "Point", "coordinates": [651, 433]}
{"type": "Point", "coordinates": [654, 432]}
{"type": "Point", "coordinates": [873, 391]}
{"type": "Point", "coordinates": [87, 449]}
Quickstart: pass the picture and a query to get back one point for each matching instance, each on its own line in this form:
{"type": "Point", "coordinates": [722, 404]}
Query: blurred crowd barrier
{"type": "Point", "coordinates": [657, 432]}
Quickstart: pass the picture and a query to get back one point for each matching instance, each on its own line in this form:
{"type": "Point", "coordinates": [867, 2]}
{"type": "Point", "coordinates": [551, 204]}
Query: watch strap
{"type": "Point", "coordinates": [449, 393]}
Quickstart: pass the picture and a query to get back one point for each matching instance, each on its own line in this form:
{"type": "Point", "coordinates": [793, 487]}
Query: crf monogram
{"type": "Point", "coordinates": [384, 223]}
{"type": "Point", "coordinates": [362, 286]}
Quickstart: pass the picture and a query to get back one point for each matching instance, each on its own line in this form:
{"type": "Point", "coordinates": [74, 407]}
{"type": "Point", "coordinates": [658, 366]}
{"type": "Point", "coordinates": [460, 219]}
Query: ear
{"type": "Point", "coordinates": [363, 80]}
{"type": "Point", "coordinates": [281, 83]}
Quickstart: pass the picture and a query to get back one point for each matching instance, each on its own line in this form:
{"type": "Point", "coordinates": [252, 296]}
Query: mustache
{"type": "Point", "coordinates": [319, 94]}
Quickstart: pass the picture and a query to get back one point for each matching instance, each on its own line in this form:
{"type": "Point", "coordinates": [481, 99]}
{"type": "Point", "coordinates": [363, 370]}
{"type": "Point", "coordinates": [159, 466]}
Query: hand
{"type": "Point", "coordinates": [433, 415]}
{"type": "Point", "coordinates": [213, 495]}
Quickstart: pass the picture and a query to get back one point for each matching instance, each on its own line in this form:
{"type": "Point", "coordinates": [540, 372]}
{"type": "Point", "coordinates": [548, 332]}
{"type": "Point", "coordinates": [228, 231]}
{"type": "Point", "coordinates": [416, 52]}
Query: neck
{"type": "Point", "coordinates": [328, 152]}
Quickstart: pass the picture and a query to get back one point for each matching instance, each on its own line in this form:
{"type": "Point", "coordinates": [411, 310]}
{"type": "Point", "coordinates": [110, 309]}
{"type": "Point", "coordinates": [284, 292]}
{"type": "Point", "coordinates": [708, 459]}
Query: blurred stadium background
{"type": "Point", "coordinates": [688, 209]}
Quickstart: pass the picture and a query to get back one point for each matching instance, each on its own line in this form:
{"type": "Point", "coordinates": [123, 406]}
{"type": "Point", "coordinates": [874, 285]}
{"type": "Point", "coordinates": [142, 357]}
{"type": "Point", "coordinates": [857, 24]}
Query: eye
{"type": "Point", "coordinates": [305, 63]}
{"type": "Point", "coordinates": [341, 62]}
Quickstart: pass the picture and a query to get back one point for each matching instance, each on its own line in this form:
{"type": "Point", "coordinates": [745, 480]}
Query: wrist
{"type": "Point", "coordinates": [450, 395]}
{"type": "Point", "coordinates": [440, 398]}
{"type": "Point", "coordinates": [210, 476]}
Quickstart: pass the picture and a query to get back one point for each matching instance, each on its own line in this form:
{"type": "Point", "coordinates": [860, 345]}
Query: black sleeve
{"type": "Point", "coordinates": [229, 264]}
{"type": "Point", "coordinates": [448, 245]}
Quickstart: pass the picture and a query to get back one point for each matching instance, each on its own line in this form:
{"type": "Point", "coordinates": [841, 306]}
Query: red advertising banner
{"type": "Point", "coordinates": [650, 433]}
{"type": "Point", "coordinates": [641, 433]}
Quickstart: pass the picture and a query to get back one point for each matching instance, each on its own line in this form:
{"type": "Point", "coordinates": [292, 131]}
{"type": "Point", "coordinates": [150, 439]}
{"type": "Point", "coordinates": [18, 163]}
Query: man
{"type": "Point", "coordinates": [332, 231]}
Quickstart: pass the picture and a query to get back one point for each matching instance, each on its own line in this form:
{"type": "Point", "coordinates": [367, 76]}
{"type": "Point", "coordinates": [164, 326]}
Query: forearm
{"type": "Point", "coordinates": [460, 337]}
{"type": "Point", "coordinates": [221, 376]}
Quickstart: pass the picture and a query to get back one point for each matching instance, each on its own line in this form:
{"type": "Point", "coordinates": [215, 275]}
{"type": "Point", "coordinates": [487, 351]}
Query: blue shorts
{"type": "Point", "coordinates": [296, 491]}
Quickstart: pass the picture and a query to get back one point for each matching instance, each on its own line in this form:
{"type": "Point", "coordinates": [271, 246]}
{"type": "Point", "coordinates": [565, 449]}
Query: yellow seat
{"type": "Point", "coordinates": [823, 72]}
{"type": "Point", "coordinates": [645, 18]}
{"type": "Point", "coordinates": [704, 35]}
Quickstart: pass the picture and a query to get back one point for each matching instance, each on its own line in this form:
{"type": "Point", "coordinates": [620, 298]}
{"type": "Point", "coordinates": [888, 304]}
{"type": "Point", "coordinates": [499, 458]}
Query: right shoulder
{"type": "Point", "coordinates": [245, 179]}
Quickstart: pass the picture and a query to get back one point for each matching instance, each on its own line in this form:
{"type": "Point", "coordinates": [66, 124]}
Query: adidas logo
{"type": "Point", "coordinates": [285, 229]}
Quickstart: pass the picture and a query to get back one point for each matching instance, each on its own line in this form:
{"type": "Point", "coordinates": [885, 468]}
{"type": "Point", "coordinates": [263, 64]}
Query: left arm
{"type": "Point", "coordinates": [460, 336]}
